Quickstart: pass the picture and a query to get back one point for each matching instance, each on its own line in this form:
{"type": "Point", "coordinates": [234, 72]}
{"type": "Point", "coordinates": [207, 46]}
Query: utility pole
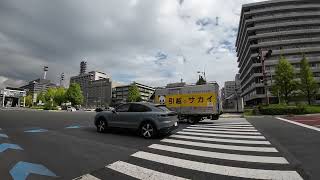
{"type": "Point", "coordinates": [264, 55]}
{"type": "Point", "coordinates": [236, 94]}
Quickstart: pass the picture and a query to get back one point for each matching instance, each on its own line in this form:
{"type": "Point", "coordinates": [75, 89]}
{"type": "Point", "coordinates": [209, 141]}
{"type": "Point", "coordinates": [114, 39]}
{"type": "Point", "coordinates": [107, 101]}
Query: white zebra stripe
{"type": "Point", "coordinates": [231, 123]}
{"type": "Point", "coordinates": [225, 125]}
{"type": "Point", "coordinates": [222, 140]}
{"type": "Point", "coordinates": [140, 172]}
{"type": "Point", "coordinates": [195, 129]}
{"type": "Point", "coordinates": [218, 155]}
{"type": "Point", "coordinates": [221, 146]}
{"type": "Point", "coordinates": [87, 177]}
{"type": "Point", "coordinates": [220, 169]}
{"type": "Point", "coordinates": [227, 129]}
{"type": "Point", "coordinates": [222, 135]}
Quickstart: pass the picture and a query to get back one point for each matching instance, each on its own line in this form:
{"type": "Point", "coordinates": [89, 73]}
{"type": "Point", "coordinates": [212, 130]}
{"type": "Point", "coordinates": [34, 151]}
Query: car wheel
{"type": "Point", "coordinates": [148, 130]}
{"type": "Point", "coordinates": [102, 125]}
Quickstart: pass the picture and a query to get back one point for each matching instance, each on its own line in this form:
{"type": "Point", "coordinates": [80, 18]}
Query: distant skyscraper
{"type": "Point", "coordinates": [83, 67]}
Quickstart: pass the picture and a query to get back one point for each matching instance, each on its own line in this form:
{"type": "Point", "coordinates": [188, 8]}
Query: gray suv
{"type": "Point", "coordinates": [147, 118]}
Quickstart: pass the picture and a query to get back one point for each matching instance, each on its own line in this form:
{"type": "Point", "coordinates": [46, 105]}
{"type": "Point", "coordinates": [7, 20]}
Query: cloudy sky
{"type": "Point", "coordinates": [149, 41]}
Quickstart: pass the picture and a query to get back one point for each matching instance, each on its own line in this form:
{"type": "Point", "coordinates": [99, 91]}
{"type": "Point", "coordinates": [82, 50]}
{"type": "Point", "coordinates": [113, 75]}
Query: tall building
{"type": "Point", "coordinates": [288, 27]}
{"type": "Point", "coordinates": [36, 86]}
{"type": "Point", "coordinates": [96, 87]}
{"type": "Point", "coordinates": [121, 92]}
{"type": "Point", "coordinates": [229, 88]}
{"type": "Point", "coordinates": [230, 94]}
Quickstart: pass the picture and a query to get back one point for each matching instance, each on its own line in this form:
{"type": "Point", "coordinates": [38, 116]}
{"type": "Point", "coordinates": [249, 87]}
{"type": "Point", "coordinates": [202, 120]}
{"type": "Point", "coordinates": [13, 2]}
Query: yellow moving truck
{"type": "Point", "coordinates": [191, 102]}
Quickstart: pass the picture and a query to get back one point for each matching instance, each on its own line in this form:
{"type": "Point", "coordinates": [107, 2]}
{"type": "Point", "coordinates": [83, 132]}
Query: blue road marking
{"type": "Point", "coordinates": [5, 146]}
{"type": "Point", "coordinates": [73, 127]}
{"type": "Point", "coordinates": [36, 130]}
{"type": "Point", "coordinates": [22, 170]}
{"type": "Point", "coordinates": [3, 135]}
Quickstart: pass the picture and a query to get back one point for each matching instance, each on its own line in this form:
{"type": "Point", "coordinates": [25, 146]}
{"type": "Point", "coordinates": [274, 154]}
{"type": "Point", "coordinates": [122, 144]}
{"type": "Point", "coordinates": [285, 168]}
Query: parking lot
{"type": "Point", "coordinates": [65, 145]}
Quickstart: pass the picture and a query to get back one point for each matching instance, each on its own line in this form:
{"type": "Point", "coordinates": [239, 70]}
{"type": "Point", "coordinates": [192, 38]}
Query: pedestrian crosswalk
{"type": "Point", "coordinates": [219, 150]}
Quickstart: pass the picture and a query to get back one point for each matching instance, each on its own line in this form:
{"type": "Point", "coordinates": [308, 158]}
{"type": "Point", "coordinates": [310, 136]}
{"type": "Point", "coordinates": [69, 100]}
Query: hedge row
{"type": "Point", "coordinates": [282, 110]}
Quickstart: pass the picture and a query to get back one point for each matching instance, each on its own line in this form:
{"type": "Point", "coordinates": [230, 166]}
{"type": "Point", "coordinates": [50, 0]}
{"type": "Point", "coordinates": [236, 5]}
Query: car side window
{"type": "Point", "coordinates": [123, 108]}
{"type": "Point", "coordinates": [139, 108]}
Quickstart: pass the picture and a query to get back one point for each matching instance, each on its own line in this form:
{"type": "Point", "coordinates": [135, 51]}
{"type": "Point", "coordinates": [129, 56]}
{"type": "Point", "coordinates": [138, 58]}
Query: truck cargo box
{"type": "Point", "coordinates": [190, 100]}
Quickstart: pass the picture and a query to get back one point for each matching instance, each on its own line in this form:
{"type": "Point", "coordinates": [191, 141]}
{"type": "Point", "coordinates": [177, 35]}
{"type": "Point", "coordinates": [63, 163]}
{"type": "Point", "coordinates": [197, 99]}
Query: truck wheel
{"type": "Point", "coordinates": [215, 117]}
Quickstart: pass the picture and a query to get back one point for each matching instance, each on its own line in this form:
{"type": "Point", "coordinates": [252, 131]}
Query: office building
{"type": "Point", "coordinates": [96, 87]}
{"type": "Point", "coordinates": [287, 27]}
{"type": "Point", "coordinates": [39, 85]}
{"type": "Point", "coordinates": [230, 94]}
{"type": "Point", "coordinates": [121, 92]}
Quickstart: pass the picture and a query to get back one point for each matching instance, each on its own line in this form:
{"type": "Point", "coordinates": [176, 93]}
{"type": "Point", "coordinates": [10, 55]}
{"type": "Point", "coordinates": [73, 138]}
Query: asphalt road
{"type": "Point", "coordinates": [65, 145]}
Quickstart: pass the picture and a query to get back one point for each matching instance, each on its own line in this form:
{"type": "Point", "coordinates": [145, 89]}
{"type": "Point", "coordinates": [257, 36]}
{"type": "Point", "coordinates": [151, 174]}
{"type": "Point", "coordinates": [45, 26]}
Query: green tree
{"type": "Point", "coordinates": [307, 84]}
{"type": "Point", "coordinates": [41, 97]}
{"type": "Point", "coordinates": [134, 94]}
{"type": "Point", "coordinates": [28, 100]}
{"type": "Point", "coordinates": [74, 94]}
{"type": "Point", "coordinates": [284, 83]}
{"type": "Point", "coordinates": [50, 94]}
{"type": "Point", "coordinates": [60, 95]}
{"type": "Point", "coordinates": [201, 81]}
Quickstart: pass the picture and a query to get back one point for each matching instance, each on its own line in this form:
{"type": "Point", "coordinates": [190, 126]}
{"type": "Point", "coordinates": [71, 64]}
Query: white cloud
{"type": "Point", "coordinates": [120, 37]}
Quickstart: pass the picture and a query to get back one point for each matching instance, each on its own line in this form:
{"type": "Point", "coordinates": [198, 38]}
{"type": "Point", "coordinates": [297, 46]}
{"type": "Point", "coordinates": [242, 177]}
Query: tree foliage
{"type": "Point", "coordinates": [284, 83]}
{"type": "Point", "coordinates": [307, 84]}
{"type": "Point", "coordinates": [28, 100]}
{"type": "Point", "coordinates": [134, 94]}
{"type": "Point", "coordinates": [74, 94]}
{"type": "Point", "coordinates": [60, 95]}
{"type": "Point", "coordinates": [41, 97]}
{"type": "Point", "coordinates": [201, 80]}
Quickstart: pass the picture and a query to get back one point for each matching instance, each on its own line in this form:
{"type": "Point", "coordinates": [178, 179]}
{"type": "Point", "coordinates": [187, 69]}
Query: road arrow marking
{"type": "Point", "coordinates": [22, 170]}
{"type": "Point", "coordinates": [73, 127]}
{"type": "Point", "coordinates": [3, 136]}
{"type": "Point", "coordinates": [5, 146]}
{"type": "Point", "coordinates": [36, 130]}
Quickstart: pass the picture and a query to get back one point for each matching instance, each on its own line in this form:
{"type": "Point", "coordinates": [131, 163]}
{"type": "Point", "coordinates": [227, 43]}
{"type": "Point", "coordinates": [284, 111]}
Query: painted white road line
{"type": "Point", "coordinates": [299, 124]}
{"type": "Point", "coordinates": [196, 129]}
{"type": "Point", "coordinates": [218, 155]}
{"type": "Point", "coordinates": [220, 169]}
{"type": "Point", "coordinates": [140, 172]}
{"type": "Point", "coordinates": [226, 129]}
{"type": "Point", "coordinates": [221, 140]}
{"type": "Point", "coordinates": [227, 125]}
{"type": "Point", "coordinates": [87, 177]}
{"type": "Point", "coordinates": [221, 146]}
{"type": "Point", "coordinates": [222, 135]}
{"type": "Point", "coordinates": [243, 122]}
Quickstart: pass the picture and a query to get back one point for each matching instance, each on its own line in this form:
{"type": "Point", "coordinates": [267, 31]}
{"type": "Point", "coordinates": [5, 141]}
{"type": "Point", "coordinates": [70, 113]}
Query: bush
{"type": "Point", "coordinates": [36, 107]}
{"type": "Point", "coordinates": [312, 109]}
{"type": "Point", "coordinates": [281, 110]}
{"type": "Point", "coordinates": [48, 106]}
